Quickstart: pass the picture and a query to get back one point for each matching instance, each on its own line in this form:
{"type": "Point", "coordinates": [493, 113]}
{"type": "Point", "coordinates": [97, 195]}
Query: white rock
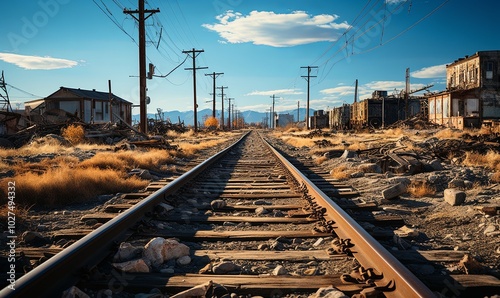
{"type": "Point", "coordinates": [279, 270]}
{"type": "Point", "coordinates": [225, 267]}
{"type": "Point", "coordinates": [138, 265]}
{"type": "Point", "coordinates": [454, 197]}
{"type": "Point", "coordinates": [318, 242]}
{"type": "Point", "coordinates": [158, 250]}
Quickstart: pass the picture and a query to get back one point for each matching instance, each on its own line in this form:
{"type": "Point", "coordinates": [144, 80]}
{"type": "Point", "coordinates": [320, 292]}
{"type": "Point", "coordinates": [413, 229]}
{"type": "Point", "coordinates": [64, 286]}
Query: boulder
{"type": "Point", "coordinates": [159, 250]}
{"type": "Point", "coordinates": [127, 252]}
{"type": "Point", "coordinates": [394, 191]}
{"type": "Point", "coordinates": [454, 197]}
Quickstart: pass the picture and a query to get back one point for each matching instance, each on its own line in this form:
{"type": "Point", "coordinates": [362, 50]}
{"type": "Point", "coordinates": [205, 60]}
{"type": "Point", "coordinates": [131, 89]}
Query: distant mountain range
{"type": "Point", "coordinates": [188, 117]}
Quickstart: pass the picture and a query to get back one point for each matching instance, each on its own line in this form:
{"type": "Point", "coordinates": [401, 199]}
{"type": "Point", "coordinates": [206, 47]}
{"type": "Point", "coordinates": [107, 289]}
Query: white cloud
{"type": "Point", "coordinates": [37, 62]}
{"type": "Point", "coordinates": [436, 71]}
{"type": "Point", "coordinates": [277, 30]}
{"type": "Point", "coordinates": [385, 85]}
{"type": "Point", "coordinates": [340, 91]}
{"type": "Point", "coordinates": [276, 92]}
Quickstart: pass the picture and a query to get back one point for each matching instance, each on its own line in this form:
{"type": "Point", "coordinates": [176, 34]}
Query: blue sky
{"type": "Point", "coordinates": [259, 45]}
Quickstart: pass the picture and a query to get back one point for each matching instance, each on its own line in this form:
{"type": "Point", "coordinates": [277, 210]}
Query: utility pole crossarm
{"type": "Point", "coordinates": [193, 54]}
{"type": "Point", "coordinates": [141, 19]}
{"type": "Point", "coordinates": [214, 75]}
{"type": "Point", "coordinates": [308, 79]}
{"type": "Point", "coordinates": [222, 108]}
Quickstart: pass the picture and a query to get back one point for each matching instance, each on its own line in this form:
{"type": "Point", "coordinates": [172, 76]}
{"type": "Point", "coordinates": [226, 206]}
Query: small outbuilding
{"type": "Point", "coordinates": [90, 106]}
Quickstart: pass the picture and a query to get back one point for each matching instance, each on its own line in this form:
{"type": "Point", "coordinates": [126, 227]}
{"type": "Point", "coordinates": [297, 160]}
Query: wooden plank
{"type": "Point", "coordinates": [463, 285]}
{"type": "Point", "coordinates": [38, 252]}
{"type": "Point", "coordinates": [240, 282]}
{"type": "Point", "coordinates": [230, 207]}
{"type": "Point", "coordinates": [424, 256]}
{"type": "Point", "coordinates": [237, 235]}
{"type": "Point", "coordinates": [287, 255]}
{"type": "Point", "coordinates": [262, 196]}
{"type": "Point", "coordinates": [249, 219]}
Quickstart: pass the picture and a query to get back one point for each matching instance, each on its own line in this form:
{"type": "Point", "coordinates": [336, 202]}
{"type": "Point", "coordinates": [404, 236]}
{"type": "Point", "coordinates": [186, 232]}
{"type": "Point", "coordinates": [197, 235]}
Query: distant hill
{"type": "Point", "coordinates": [188, 117]}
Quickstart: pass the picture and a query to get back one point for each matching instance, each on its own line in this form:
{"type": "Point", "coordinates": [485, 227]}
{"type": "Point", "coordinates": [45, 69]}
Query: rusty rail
{"type": "Point", "coordinates": [397, 279]}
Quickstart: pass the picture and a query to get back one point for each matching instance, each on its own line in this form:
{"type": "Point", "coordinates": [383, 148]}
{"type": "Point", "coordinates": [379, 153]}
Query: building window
{"type": "Point", "coordinates": [489, 70]}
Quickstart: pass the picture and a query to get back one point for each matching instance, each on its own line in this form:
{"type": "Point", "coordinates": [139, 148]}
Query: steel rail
{"type": "Point", "coordinates": [368, 251]}
{"type": "Point", "coordinates": [63, 270]}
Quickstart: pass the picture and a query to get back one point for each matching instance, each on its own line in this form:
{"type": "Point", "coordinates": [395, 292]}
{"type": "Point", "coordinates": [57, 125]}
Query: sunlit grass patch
{"type": "Point", "coordinates": [449, 134]}
{"type": "Point", "coordinates": [495, 178]}
{"type": "Point", "coordinates": [341, 172]}
{"type": "Point", "coordinates": [69, 185]}
{"type": "Point", "coordinates": [490, 160]}
{"type": "Point", "coordinates": [420, 189]}
{"type": "Point", "coordinates": [125, 160]}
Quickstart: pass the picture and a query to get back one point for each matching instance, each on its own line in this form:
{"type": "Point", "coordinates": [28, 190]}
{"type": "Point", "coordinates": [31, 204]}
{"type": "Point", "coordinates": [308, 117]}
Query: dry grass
{"type": "Point", "coordinates": [75, 134]}
{"type": "Point", "coordinates": [68, 185]}
{"type": "Point", "coordinates": [420, 189]}
{"type": "Point", "coordinates": [126, 160]}
{"type": "Point", "coordinates": [495, 178]}
{"type": "Point", "coordinates": [341, 172]}
{"type": "Point", "coordinates": [320, 160]}
{"type": "Point", "coordinates": [490, 160]}
{"type": "Point", "coordinates": [189, 149]}
{"type": "Point", "coordinates": [449, 134]}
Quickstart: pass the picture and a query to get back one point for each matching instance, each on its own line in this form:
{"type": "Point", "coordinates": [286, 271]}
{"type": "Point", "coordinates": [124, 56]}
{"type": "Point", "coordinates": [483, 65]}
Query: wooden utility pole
{"type": "Point", "coordinates": [407, 93]}
{"type": "Point", "coordinates": [308, 79]}
{"type": "Point", "coordinates": [222, 108]}
{"type": "Point", "coordinates": [214, 75]}
{"type": "Point", "coordinates": [274, 119]}
{"type": "Point", "coordinates": [356, 92]}
{"type": "Point", "coordinates": [141, 19]}
{"type": "Point", "coordinates": [110, 97]}
{"type": "Point", "coordinates": [298, 111]}
{"type": "Point", "coordinates": [229, 113]}
{"type": "Point", "coordinates": [194, 53]}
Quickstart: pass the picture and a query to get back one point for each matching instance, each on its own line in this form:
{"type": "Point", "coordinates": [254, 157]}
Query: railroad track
{"type": "Point", "coordinates": [244, 221]}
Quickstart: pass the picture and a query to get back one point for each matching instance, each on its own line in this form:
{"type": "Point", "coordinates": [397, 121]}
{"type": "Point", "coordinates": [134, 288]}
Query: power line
{"type": "Point", "coordinates": [113, 19]}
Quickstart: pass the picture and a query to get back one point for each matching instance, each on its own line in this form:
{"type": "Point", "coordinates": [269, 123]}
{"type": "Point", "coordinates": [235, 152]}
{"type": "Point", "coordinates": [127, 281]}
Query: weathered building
{"type": "Point", "coordinates": [472, 92]}
{"type": "Point", "coordinates": [319, 120]}
{"type": "Point", "coordinates": [91, 106]}
{"type": "Point", "coordinates": [340, 117]}
{"type": "Point", "coordinates": [284, 120]}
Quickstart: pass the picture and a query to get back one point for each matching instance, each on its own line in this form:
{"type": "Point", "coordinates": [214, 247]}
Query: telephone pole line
{"type": "Point", "coordinates": [194, 53]}
{"type": "Point", "coordinates": [273, 116]}
{"type": "Point", "coordinates": [308, 78]}
{"type": "Point", "coordinates": [229, 113]}
{"type": "Point", "coordinates": [141, 19]}
{"type": "Point", "coordinates": [214, 75]}
{"type": "Point", "coordinates": [222, 109]}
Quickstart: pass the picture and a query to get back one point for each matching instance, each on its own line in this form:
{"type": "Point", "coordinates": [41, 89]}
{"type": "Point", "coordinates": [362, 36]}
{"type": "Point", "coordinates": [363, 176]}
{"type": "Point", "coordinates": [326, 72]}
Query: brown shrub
{"type": "Point", "coordinates": [420, 189]}
{"type": "Point", "coordinates": [211, 122]}
{"type": "Point", "coordinates": [341, 172]}
{"type": "Point", "coordinates": [75, 134]}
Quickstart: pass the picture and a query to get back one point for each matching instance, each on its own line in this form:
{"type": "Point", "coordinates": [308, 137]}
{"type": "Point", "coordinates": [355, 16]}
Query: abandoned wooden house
{"type": "Point", "coordinates": [90, 106]}
{"type": "Point", "coordinates": [472, 95]}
